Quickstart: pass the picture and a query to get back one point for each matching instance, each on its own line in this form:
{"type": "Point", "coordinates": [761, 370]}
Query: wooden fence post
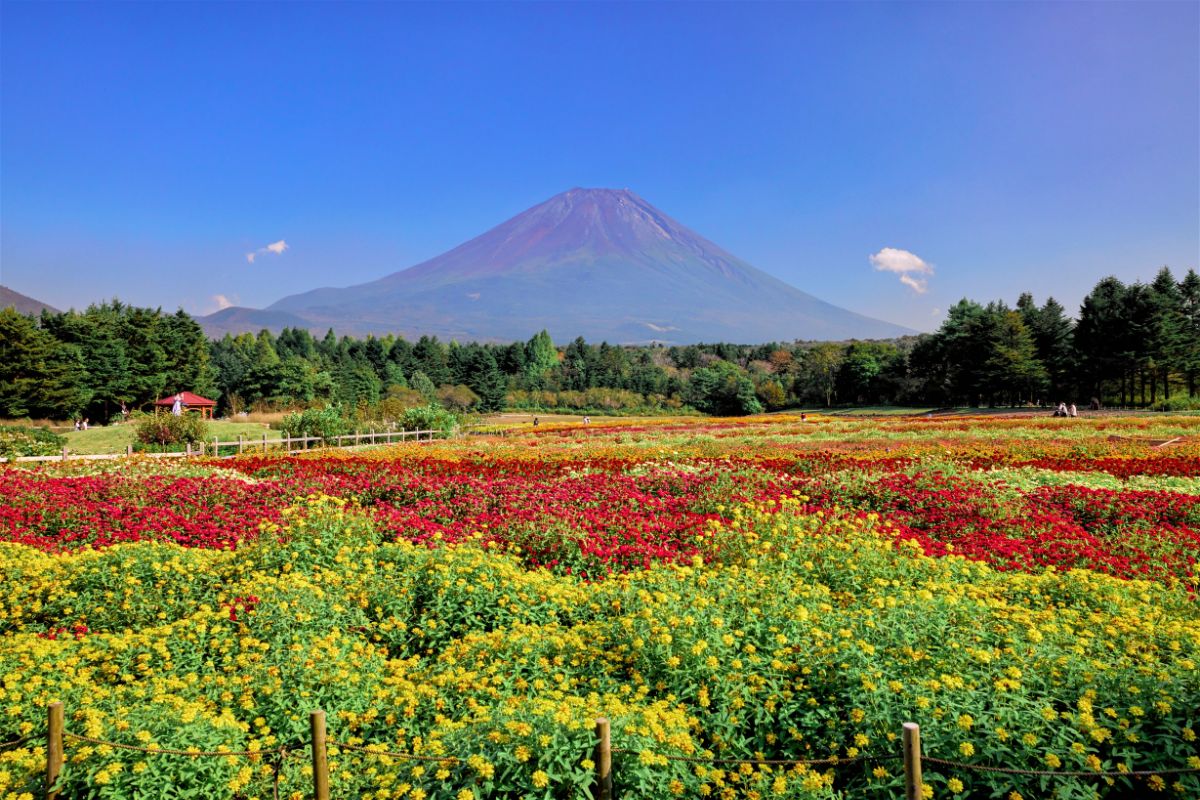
{"type": "Point", "coordinates": [128, 451]}
{"type": "Point", "coordinates": [64, 454]}
{"type": "Point", "coordinates": [264, 443]}
{"type": "Point", "coordinates": [316, 721]}
{"type": "Point", "coordinates": [603, 760]}
{"type": "Point", "coordinates": [241, 444]}
{"type": "Point", "coordinates": [54, 748]}
{"type": "Point", "coordinates": [912, 761]}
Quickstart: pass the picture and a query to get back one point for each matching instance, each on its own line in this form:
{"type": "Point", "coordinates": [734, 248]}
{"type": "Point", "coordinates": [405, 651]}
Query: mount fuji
{"type": "Point", "coordinates": [599, 263]}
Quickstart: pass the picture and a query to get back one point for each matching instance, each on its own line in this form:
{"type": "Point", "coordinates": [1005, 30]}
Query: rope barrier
{"type": "Point", "coordinates": [13, 743]}
{"type": "Point", "coordinates": [281, 754]}
{"type": "Point", "coordinates": [391, 754]}
{"type": "Point", "coordinates": [1133, 773]}
{"type": "Point", "coordinates": [808, 762]}
{"type": "Point", "coordinates": [166, 751]}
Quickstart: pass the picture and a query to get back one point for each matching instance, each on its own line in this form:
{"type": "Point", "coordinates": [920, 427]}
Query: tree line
{"type": "Point", "coordinates": [1135, 344]}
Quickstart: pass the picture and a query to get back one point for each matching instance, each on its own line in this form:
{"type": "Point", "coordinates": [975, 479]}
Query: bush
{"type": "Point", "coordinates": [168, 429]}
{"type": "Point", "coordinates": [429, 418]}
{"type": "Point", "coordinates": [17, 441]}
{"type": "Point", "coordinates": [457, 398]}
{"type": "Point", "coordinates": [1180, 402]}
{"type": "Point", "coordinates": [325, 422]}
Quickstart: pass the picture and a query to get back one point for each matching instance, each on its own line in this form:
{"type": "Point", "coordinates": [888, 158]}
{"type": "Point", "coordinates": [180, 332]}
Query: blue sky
{"type": "Point", "coordinates": [145, 149]}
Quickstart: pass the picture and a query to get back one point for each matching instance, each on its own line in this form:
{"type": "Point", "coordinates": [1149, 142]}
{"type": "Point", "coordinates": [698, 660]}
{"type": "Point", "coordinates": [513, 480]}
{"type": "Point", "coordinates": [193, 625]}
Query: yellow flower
{"type": "Point", "coordinates": [466, 794]}
{"type": "Point", "coordinates": [540, 780]}
{"type": "Point", "coordinates": [967, 749]}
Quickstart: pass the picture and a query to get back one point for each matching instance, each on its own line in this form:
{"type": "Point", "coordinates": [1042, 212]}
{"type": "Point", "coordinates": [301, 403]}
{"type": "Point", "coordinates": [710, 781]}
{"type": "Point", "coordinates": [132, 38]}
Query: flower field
{"type": "Point", "coordinates": [757, 590]}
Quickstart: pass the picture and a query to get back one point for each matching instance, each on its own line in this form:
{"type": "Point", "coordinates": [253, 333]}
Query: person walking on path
{"type": "Point", "coordinates": [177, 406]}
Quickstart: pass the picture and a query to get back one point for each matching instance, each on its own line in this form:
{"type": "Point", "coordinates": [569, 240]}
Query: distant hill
{"type": "Point", "coordinates": [23, 304]}
{"type": "Point", "coordinates": [599, 263]}
{"type": "Point", "coordinates": [238, 319]}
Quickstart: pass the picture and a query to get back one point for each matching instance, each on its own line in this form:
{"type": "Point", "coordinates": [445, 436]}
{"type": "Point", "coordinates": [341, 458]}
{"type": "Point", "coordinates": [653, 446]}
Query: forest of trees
{"type": "Point", "coordinates": [1136, 344]}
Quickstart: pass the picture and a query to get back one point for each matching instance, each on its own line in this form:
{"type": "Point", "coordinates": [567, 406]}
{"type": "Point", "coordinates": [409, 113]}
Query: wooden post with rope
{"type": "Point", "coordinates": [603, 760]}
{"type": "Point", "coordinates": [54, 749]}
{"type": "Point", "coordinates": [912, 761]}
{"type": "Point", "coordinates": [320, 763]}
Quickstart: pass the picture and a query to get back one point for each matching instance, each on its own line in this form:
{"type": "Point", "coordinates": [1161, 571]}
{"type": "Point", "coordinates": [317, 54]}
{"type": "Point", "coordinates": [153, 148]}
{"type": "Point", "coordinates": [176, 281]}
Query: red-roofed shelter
{"type": "Point", "coordinates": [191, 401]}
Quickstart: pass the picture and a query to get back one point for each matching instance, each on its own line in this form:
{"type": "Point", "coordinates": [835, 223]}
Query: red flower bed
{"type": "Point", "coordinates": [594, 517]}
{"type": "Point", "coordinates": [1128, 534]}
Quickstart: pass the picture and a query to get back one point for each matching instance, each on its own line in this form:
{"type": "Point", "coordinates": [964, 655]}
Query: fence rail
{"type": "Point", "coordinates": [602, 785]}
{"type": "Point", "coordinates": [290, 444]}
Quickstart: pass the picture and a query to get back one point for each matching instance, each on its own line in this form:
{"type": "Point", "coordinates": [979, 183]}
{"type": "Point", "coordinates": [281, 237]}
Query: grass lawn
{"type": "Point", "coordinates": [114, 438]}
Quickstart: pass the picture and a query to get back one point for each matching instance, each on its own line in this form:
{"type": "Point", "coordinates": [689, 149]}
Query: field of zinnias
{"type": "Point", "coordinates": [762, 590]}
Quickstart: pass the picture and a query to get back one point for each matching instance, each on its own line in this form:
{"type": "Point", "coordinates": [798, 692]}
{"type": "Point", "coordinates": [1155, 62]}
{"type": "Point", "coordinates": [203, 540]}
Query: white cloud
{"type": "Point", "coordinates": [909, 266]}
{"type": "Point", "coordinates": [274, 247]}
{"type": "Point", "coordinates": [222, 301]}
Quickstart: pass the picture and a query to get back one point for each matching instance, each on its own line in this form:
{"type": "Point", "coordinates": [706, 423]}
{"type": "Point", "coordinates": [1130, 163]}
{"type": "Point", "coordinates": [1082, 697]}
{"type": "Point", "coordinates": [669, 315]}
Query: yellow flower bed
{"type": "Point", "coordinates": [805, 637]}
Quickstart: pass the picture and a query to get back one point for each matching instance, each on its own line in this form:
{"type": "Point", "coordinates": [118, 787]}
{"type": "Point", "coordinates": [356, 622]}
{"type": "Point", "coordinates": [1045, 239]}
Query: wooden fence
{"type": "Point", "coordinates": [244, 444]}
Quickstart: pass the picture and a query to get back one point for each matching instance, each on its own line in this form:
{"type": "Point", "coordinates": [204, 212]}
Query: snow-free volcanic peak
{"type": "Point", "coordinates": [599, 263]}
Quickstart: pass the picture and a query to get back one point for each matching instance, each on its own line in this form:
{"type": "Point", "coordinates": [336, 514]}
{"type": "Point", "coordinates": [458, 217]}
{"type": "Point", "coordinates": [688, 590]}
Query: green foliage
{"type": "Point", "coordinates": [540, 357]}
{"type": "Point", "coordinates": [18, 441]}
{"type": "Point", "coordinates": [421, 384]}
{"type": "Point", "coordinates": [458, 398]}
{"type": "Point", "coordinates": [722, 389]}
{"type": "Point", "coordinates": [169, 429]}
{"type": "Point", "coordinates": [39, 376]}
{"type": "Point", "coordinates": [1179, 402]}
{"type": "Point", "coordinates": [429, 417]}
{"type": "Point", "coordinates": [1133, 344]}
{"type": "Point", "coordinates": [325, 422]}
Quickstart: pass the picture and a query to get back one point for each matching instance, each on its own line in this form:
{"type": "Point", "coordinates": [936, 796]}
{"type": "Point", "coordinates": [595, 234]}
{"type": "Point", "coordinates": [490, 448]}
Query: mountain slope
{"type": "Point", "coordinates": [23, 304]}
{"type": "Point", "coordinates": [599, 263]}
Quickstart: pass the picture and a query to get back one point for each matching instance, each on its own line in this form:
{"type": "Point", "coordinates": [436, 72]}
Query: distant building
{"type": "Point", "coordinates": [191, 402]}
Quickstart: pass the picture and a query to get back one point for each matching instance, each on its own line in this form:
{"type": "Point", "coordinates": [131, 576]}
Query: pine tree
{"type": "Point", "coordinates": [1189, 292]}
{"type": "Point", "coordinates": [1099, 338]}
{"type": "Point", "coordinates": [1168, 328]}
{"type": "Point", "coordinates": [1052, 338]}
{"type": "Point", "coordinates": [486, 380]}
{"type": "Point", "coordinates": [1012, 372]}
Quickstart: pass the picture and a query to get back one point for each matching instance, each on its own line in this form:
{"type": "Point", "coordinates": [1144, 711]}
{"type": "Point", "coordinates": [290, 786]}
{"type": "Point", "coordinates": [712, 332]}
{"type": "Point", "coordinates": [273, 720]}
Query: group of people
{"type": "Point", "coordinates": [81, 424]}
{"type": "Point", "coordinates": [1064, 410]}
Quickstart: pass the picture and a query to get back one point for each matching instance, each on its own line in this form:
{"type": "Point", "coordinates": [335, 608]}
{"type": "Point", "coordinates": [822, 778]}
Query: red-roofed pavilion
{"type": "Point", "coordinates": [190, 401]}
